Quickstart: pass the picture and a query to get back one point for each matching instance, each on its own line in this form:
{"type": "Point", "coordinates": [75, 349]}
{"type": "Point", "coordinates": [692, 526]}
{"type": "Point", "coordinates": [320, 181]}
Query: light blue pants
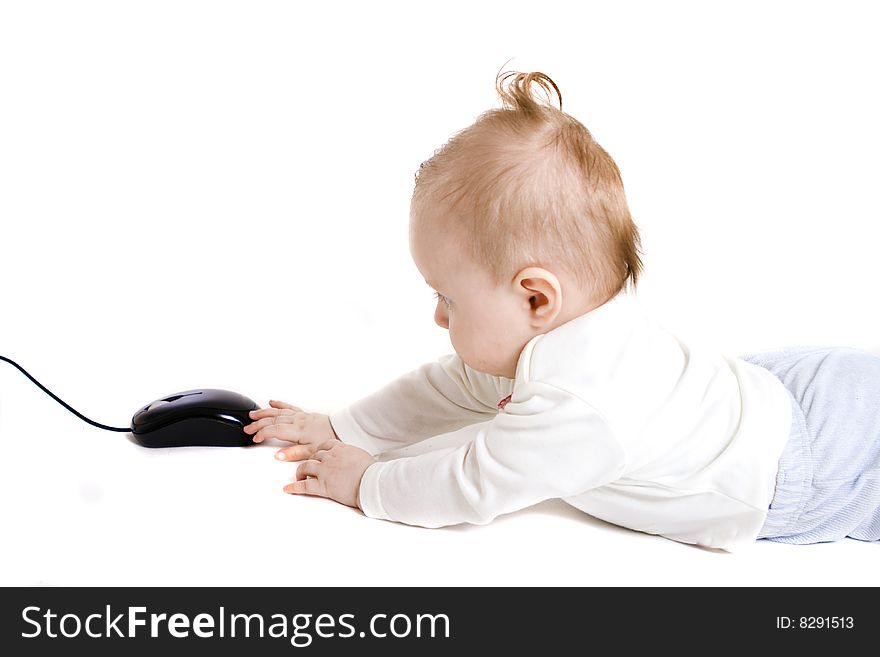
{"type": "Point", "coordinates": [828, 485]}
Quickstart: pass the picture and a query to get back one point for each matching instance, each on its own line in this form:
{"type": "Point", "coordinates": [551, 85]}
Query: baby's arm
{"type": "Point", "coordinates": [546, 444]}
{"type": "Point", "coordinates": [436, 398]}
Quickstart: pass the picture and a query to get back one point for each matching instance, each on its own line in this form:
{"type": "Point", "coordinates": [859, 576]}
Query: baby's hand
{"type": "Point", "coordinates": [335, 471]}
{"type": "Point", "coordinates": [287, 422]}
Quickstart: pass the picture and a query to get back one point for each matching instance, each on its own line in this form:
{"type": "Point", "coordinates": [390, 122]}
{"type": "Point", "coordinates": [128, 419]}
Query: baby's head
{"type": "Point", "coordinates": [520, 223]}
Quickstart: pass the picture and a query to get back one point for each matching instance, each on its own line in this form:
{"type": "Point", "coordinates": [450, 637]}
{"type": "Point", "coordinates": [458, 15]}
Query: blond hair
{"type": "Point", "coordinates": [531, 186]}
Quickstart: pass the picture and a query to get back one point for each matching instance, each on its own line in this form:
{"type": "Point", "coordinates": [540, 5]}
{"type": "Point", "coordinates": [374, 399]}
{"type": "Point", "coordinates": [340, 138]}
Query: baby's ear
{"type": "Point", "coordinates": [541, 289]}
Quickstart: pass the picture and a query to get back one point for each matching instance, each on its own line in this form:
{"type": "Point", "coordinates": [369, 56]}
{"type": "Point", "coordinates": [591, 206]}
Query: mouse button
{"type": "Point", "coordinates": [156, 413]}
{"type": "Point", "coordinates": [181, 395]}
{"type": "Point", "coordinates": [227, 400]}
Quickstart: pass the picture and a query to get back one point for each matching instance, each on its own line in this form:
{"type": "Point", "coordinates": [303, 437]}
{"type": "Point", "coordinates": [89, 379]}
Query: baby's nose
{"type": "Point", "coordinates": [441, 317]}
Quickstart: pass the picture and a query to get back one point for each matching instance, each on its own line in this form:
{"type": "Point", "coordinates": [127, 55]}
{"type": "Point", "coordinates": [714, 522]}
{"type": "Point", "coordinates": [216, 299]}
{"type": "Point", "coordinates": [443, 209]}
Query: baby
{"type": "Point", "coordinates": [561, 386]}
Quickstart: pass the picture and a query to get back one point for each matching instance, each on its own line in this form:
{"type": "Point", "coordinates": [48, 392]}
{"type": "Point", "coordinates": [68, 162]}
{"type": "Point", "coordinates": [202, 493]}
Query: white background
{"type": "Point", "coordinates": [215, 194]}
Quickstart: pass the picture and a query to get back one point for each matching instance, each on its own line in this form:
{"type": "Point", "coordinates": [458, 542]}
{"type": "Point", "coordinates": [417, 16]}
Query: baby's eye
{"type": "Point", "coordinates": [440, 297]}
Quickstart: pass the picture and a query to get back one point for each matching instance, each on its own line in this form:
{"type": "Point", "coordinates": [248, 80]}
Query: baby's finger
{"type": "Point", "coordinates": [288, 432]}
{"type": "Point", "coordinates": [266, 421]}
{"type": "Point", "coordinates": [307, 469]}
{"type": "Point", "coordinates": [306, 487]}
{"type": "Point", "coordinates": [323, 450]}
{"type": "Point", "coordinates": [270, 412]}
{"type": "Point", "coordinates": [274, 403]}
{"type": "Point", "coordinates": [294, 453]}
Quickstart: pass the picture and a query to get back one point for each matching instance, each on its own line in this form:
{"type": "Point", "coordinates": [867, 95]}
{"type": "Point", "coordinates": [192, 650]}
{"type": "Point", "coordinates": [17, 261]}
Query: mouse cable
{"type": "Point", "coordinates": [65, 405]}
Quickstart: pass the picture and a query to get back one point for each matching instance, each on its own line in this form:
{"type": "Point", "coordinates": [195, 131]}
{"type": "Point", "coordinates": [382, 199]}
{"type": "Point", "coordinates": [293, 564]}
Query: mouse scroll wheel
{"type": "Point", "coordinates": [157, 404]}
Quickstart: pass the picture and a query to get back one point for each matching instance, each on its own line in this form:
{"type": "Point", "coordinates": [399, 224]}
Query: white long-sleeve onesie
{"type": "Point", "coordinates": [609, 412]}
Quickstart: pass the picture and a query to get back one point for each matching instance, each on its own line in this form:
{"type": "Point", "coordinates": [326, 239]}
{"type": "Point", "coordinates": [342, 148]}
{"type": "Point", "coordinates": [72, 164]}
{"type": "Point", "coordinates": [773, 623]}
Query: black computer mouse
{"type": "Point", "coordinates": [207, 417]}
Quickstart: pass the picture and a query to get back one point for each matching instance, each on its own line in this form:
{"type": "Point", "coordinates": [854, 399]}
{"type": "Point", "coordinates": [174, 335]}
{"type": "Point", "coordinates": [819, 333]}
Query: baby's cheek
{"type": "Point", "coordinates": [476, 348]}
{"type": "Point", "coordinates": [453, 338]}
{"type": "Point", "coordinates": [459, 343]}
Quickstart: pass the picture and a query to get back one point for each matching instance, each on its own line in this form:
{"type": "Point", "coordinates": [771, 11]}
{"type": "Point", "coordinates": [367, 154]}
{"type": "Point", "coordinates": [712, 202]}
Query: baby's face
{"type": "Point", "coordinates": [487, 323]}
